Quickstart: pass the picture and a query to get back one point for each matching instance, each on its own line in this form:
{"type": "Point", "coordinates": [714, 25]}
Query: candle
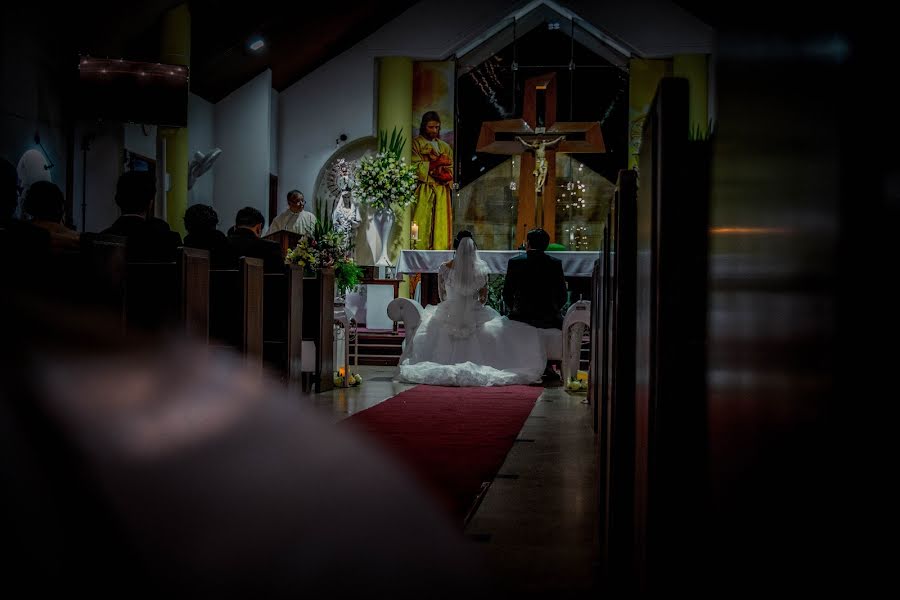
{"type": "Point", "coordinates": [340, 372]}
{"type": "Point", "coordinates": [415, 231]}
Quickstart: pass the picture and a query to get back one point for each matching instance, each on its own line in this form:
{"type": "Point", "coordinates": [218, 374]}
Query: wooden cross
{"type": "Point", "coordinates": [538, 123]}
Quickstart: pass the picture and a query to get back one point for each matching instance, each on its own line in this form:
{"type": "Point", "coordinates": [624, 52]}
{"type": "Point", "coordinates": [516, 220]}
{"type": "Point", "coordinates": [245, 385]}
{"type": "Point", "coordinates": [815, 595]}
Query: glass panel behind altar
{"type": "Point", "coordinates": [582, 201]}
{"type": "Point", "coordinates": [488, 207]}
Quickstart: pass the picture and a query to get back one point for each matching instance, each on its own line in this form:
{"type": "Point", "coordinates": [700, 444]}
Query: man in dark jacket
{"type": "Point", "coordinates": [535, 286]}
{"type": "Point", "coordinates": [148, 239]}
{"type": "Point", "coordinates": [245, 241]}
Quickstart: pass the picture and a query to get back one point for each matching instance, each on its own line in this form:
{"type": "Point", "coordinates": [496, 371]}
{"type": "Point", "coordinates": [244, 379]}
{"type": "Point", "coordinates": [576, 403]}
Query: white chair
{"type": "Point", "coordinates": [578, 317]}
{"type": "Point", "coordinates": [409, 312]}
{"type": "Point", "coordinates": [355, 305]}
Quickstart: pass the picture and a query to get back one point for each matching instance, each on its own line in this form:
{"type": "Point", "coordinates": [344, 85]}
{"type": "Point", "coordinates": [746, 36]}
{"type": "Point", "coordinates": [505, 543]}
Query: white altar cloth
{"type": "Point", "coordinates": [575, 264]}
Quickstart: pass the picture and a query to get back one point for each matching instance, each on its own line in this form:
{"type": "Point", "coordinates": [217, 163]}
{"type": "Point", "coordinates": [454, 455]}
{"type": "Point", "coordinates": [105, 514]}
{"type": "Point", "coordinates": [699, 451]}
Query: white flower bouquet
{"type": "Point", "coordinates": [385, 180]}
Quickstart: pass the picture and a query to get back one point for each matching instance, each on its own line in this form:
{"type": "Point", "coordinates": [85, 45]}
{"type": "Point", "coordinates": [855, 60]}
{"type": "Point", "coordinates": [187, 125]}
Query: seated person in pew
{"type": "Point", "coordinates": [200, 220]}
{"type": "Point", "coordinates": [20, 241]}
{"type": "Point", "coordinates": [45, 204]}
{"type": "Point", "coordinates": [148, 239]}
{"type": "Point", "coordinates": [245, 241]}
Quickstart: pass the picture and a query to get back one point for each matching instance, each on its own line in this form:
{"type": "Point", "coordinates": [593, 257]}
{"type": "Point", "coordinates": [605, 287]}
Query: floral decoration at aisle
{"type": "Point", "coordinates": [325, 248]}
{"type": "Point", "coordinates": [386, 184]}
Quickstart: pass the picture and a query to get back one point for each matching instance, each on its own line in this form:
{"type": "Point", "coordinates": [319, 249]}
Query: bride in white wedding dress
{"type": "Point", "coordinates": [462, 342]}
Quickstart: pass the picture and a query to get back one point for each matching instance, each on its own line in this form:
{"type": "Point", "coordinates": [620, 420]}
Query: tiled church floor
{"type": "Point", "coordinates": [537, 525]}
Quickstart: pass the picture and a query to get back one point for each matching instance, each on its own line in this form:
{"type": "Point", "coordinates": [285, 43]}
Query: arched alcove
{"type": "Point", "coordinates": [324, 199]}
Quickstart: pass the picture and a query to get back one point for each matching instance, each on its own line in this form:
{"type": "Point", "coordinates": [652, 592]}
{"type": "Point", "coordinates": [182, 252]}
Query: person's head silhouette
{"type": "Point", "coordinates": [464, 233]}
{"type": "Point", "coordinates": [538, 239]}
{"type": "Point", "coordinates": [200, 217]}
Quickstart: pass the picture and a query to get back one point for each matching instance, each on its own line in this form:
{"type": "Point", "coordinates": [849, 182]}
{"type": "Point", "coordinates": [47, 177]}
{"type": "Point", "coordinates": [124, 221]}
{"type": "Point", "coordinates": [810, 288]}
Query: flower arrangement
{"type": "Point", "coordinates": [303, 254]}
{"type": "Point", "coordinates": [385, 180]}
{"type": "Point", "coordinates": [579, 383]}
{"type": "Point", "coordinates": [353, 380]}
{"type": "Point", "coordinates": [327, 247]}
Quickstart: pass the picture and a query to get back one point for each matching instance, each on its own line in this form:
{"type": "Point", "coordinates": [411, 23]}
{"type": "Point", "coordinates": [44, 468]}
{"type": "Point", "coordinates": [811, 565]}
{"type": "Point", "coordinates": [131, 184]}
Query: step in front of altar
{"type": "Point", "coordinates": [381, 348]}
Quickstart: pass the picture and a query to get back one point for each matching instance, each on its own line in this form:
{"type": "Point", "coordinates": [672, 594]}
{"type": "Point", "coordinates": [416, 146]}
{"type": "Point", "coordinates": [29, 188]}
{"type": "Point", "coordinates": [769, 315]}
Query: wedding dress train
{"type": "Point", "coordinates": [461, 342]}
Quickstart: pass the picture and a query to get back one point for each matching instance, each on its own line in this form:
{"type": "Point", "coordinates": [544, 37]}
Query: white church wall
{"type": "Point", "coordinates": [241, 130]}
{"type": "Point", "coordinates": [140, 139]}
{"type": "Point", "coordinates": [105, 162]}
{"type": "Point", "coordinates": [273, 133]}
{"type": "Point", "coordinates": [201, 138]}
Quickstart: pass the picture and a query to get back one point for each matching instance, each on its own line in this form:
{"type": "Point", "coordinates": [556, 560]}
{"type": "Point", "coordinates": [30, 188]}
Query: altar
{"type": "Point", "coordinates": [411, 262]}
{"type": "Point", "coordinates": [577, 267]}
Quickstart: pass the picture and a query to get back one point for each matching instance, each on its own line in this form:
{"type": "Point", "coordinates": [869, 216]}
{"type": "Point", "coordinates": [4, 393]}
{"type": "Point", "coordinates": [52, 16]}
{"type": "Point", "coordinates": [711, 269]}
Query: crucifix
{"type": "Point", "coordinates": [541, 136]}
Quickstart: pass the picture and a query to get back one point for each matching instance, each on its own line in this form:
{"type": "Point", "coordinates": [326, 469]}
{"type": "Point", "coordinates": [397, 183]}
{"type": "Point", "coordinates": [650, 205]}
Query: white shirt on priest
{"type": "Point", "coordinates": [297, 222]}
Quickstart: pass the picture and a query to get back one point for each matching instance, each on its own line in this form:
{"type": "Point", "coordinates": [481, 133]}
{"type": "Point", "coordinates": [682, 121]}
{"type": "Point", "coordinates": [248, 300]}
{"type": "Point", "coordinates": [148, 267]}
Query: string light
{"type": "Point", "coordinates": [571, 199]}
{"type": "Point", "coordinates": [115, 67]}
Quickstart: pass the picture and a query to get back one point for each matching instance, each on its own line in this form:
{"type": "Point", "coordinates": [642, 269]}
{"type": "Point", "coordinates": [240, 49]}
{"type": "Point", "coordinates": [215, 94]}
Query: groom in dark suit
{"type": "Point", "coordinates": [535, 287]}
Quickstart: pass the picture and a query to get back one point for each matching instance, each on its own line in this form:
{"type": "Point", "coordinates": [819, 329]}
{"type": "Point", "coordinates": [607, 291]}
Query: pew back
{"type": "Point", "coordinates": [236, 308]}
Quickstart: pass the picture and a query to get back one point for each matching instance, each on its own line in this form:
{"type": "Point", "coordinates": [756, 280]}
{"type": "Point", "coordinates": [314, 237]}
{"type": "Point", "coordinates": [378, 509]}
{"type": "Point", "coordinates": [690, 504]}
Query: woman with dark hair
{"type": "Point", "coordinates": [463, 233]}
{"type": "Point", "coordinates": [463, 342]}
{"type": "Point", "coordinates": [200, 220]}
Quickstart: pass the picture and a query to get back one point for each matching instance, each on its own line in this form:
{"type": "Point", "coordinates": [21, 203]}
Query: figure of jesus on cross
{"type": "Point", "coordinates": [540, 160]}
{"type": "Point", "coordinates": [541, 136]}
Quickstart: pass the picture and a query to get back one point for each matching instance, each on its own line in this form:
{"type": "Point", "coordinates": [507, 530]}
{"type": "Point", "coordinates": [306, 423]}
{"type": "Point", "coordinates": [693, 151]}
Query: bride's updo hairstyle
{"type": "Point", "coordinates": [464, 233]}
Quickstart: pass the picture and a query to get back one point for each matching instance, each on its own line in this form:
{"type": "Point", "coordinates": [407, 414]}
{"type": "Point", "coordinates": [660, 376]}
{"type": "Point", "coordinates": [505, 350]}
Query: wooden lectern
{"type": "Point", "coordinates": [285, 239]}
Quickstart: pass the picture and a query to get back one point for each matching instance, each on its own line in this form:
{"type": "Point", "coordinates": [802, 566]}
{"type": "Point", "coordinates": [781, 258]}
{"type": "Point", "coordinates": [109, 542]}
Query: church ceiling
{"type": "Point", "coordinates": [299, 37]}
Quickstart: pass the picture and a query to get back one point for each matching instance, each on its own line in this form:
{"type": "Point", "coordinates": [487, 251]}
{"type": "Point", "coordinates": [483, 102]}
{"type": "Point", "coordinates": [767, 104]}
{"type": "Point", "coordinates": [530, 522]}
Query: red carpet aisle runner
{"type": "Point", "coordinates": [453, 438]}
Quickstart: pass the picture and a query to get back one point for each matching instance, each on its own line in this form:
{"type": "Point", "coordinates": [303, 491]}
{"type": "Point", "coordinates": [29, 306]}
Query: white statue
{"type": "Point", "coordinates": [345, 215]}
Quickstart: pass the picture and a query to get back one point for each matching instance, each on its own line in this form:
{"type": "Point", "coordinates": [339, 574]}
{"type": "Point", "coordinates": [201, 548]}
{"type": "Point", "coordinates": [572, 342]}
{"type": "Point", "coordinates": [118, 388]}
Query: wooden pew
{"type": "Point", "coordinates": [236, 309]}
{"type": "Point", "coordinates": [653, 399]}
{"type": "Point", "coordinates": [670, 387]}
{"type": "Point", "coordinates": [96, 277]}
{"type": "Point", "coordinates": [318, 325]}
{"type": "Point", "coordinates": [615, 280]}
{"type": "Point", "coordinates": [169, 295]}
{"type": "Point", "coordinates": [283, 322]}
